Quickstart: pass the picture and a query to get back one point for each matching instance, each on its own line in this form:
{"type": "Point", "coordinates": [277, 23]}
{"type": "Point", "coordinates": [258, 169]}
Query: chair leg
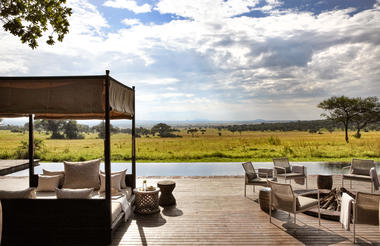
{"type": "Point", "coordinates": [270, 207]}
{"type": "Point", "coordinates": [342, 181]}
{"type": "Point", "coordinates": [295, 220]}
{"type": "Point", "coordinates": [350, 184]}
{"type": "Point", "coordinates": [306, 182]}
{"type": "Point", "coordinates": [319, 209]}
{"type": "Point", "coordinates": [245, 190]}
{"type": "Point", "coordinates": [254, 189]}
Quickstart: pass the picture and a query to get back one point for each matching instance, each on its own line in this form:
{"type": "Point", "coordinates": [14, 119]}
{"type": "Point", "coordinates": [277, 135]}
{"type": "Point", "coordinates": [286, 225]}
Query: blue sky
{"type": "Point", "coordinates": [217, 59]}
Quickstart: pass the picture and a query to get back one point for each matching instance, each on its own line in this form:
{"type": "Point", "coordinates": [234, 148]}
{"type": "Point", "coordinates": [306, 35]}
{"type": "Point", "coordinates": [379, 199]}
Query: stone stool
{"type": "Point", "coordinates": [166, 197]}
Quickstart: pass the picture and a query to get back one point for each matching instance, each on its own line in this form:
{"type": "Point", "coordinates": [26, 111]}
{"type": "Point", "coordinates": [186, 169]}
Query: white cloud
{"type": "Point", "coordinates": [213, 63]}
{"type": "Point", "coordinates": [131, 22]}
{"type": "Point", "coordinates": [130, 5]}
{"type": "Point", "coordinates": [158, 81]}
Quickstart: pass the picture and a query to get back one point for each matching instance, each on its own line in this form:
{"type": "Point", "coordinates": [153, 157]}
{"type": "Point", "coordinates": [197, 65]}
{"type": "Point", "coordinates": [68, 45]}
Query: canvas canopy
{"type": "Point", "coordinates": [66, 97]}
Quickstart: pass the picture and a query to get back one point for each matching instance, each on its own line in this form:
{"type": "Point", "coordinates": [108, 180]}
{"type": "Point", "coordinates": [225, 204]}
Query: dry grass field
{"type": "Point", "coordinates": [210, 146]}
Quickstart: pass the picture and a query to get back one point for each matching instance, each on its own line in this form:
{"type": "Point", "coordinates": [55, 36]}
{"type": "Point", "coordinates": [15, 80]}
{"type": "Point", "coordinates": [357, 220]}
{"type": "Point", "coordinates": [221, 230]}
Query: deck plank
{"type": "Point", "coordinates": [214, 211]}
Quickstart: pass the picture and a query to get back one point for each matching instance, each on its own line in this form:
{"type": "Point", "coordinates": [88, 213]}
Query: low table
{"type": "Point", "coordinates": [166, 197]}
{"type": "Point", "coordinates": [264, 195]}
{"type": "Point", "coordinates": [146, 201]}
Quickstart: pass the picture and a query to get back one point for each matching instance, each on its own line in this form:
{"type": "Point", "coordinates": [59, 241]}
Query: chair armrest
{"type": "Point", "coordinates": [298, 167]}
{"type": "Point", "coordinates": [266, 174]}
{"type": "Point", "coordinates": [346, 167]}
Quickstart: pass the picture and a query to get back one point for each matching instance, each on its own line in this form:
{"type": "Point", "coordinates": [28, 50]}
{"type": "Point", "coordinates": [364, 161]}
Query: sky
{"type": "Point", "coordinates": [216, 59]}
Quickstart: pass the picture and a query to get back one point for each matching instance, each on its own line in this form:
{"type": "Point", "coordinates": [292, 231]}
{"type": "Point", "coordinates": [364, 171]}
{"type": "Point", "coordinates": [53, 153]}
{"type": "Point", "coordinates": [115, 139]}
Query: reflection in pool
{"type": "Point", "coordinates": [198, 168]}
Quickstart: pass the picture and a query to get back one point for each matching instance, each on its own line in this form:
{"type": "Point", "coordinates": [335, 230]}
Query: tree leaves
{"type": "Point", "coordinates": [30, 19]}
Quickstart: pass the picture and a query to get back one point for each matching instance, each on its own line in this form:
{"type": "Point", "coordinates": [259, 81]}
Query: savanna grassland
{"type": "Point", "coordinates": [210, 146]}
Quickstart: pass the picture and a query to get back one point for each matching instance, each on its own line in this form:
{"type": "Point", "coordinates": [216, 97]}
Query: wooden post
{"type": "Point", "coordinates": [107, 152]}
{"type": "Point", "coordinates": [134, 141]}
{"type": "Point", "coordinates": [31, 153]}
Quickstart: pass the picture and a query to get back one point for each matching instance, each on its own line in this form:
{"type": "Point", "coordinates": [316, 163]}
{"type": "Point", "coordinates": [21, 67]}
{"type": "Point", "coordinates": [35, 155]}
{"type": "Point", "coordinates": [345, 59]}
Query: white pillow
{"type": "Point", "coordinates": [48, 183]}
{"type": "Point", "coordinates": [115, 183]}
{"type": "Point", "coordinates": [122, 181]}
{"type": "Point", "coordinates": [53, 173]}
{"type": "Point", "coordinates": [82, 174]}
{"type": "Point", "coordinates": [85, 193]}
{"type": "Point", "coordinates": [28, 193]}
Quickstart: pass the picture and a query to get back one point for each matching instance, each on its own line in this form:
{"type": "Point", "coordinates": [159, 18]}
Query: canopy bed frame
{"type": "Point", "coordinates": [65, 221]}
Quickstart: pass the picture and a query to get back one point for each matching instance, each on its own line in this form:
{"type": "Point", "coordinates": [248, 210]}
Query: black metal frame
{"type": "Point", "coordinates": [71, 223]}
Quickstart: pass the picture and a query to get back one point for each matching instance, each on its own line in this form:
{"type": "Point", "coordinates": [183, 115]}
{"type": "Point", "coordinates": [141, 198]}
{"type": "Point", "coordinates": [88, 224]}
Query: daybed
{"type": "Point", "coordinates": [46, 221]}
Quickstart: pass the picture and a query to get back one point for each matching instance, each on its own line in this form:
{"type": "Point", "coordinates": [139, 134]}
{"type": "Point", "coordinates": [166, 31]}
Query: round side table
{"type": "Point", "coordinates": [264, 194]}
{"type": "Point", "coordinates": [166, 197]}
{"type": "Point", "coordinates": [146, 201]}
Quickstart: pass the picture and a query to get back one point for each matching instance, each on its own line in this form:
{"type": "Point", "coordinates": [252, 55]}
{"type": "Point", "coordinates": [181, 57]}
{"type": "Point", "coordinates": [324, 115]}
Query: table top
{"type": "Point", "coordinates": [140, 190]}
{"type": "Point", "coordinates": [166, 182]}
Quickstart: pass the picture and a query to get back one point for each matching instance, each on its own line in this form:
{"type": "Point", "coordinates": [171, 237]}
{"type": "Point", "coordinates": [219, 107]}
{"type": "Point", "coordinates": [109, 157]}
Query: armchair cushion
{"type": "Point", "coordinates": [360, 171]}
{"type": "Point", "coordinates": [251, 176]}
{"type": "Point", "coordinates": [357, 177]}
{"type": "Point", "coordinates": [303, 202]}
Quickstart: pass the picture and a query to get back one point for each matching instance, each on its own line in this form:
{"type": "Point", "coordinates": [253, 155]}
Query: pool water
{"type": "Point", "coordinates": [196, 168]}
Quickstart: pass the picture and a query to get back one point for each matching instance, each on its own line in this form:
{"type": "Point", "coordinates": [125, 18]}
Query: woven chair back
{"type": "Point", "coordinates": [282, 196]}
{"type": "Point", "coordinates": [361, 167]}
{"type": "Point", "coordinates": [367, 208]}
{"type": "Point", "coordinates": [281, 162]}
{"type": "Point", "coordinates": [248, 167]}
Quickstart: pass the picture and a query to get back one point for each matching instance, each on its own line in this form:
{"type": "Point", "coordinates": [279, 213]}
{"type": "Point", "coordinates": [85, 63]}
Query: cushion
{"type": "Point", "coordinates": [51, 173]}
{"type": "Point", "coordinates": [122, 181]}
{"type": "Point", "coordinates": [251, 176]}
{"type": "Point", "coordinates": [115, 210]}
{"type": "Point", "coordinates": [303, 202]}
{"type": "Point", "coordinates": [85, 193]}
{"type": "Point", "coordinates": [18, 194]}
{"type": "Point", "coordinates": [82, 174]}
{"type": "Point", "coordinates": [115, 183]}
{"type": "Point", "coordinates": [48, 183]}
{"type": "Point", "coordinates": [360, 171]}
{"type": "Point", "coordinates": [281, 170]}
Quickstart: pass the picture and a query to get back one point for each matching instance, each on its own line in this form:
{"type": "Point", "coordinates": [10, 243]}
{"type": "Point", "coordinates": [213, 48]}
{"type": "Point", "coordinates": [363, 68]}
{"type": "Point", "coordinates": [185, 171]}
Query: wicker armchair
{"type": "Point", "coordinates": [359, 171]}
{"type": "Point", "coordinates": [255, 178]}
{"type": "Point", "coordinates": [366, 209]}
{"type": "Point", "coordinates": [282, 169]}
{"type": "Point", "coordinates": [283, 198]}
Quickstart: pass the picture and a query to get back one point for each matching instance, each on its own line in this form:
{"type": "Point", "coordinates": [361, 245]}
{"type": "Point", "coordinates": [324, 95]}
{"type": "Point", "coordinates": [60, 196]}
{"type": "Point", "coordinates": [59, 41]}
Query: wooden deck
{"type": "Point", "coordinates": [213, 211]}
{"type": "Point", "coordinates": [12, 166]}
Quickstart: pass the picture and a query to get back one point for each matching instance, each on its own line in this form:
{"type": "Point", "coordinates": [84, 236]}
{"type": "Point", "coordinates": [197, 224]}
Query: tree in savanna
{"type": "Point", "coordinates": [368, 112]}
{"type": "Point", "coordinates": [357, 111]}
{"type": "Point", "coordinates": [71, 130]}
{"type": "Point", "coordinates": [163, 130]}
{"type": "Point", "coordinates": [192, 131]}
{"type": "Point", "coordinates": [29, 19]}
{"type": "Point", "coordinates": [341, 109]}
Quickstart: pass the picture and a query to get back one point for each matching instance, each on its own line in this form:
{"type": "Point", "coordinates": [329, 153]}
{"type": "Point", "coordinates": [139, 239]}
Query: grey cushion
{"type": "Point", "coordinates": [251, 176]}
{"type": "Point", "coordinates": [18, 194]}
{"type": "Point", "coordinates": [122, 181]}
{"type": "Point", "coordinates": [360, 171]}
{"type": "Point", "coordinates": [53, 173]}
{"type": "Point", "coordinates": [85, 193]}
{"type": "Point", "coordinates": [303, 202]}
{"type": "Point", "coordinates": [357, 177]}
{"type": "Point", "coordinates": [82, 174]}
{"type": "Point", "coordinates": [291, 175]}
{"type": "Point", "coordinates": [48, 183]}
{"type": "Point", "coordinates": [281, 170]}
{"type": "Point", "coordinates": [115, 183]}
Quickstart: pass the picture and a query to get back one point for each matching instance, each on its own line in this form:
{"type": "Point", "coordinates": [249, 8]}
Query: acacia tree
{"type": "Point", "coordinates": [368, 112]}
{"type": "Point", "coordinates": [341, 109]}
{"type": "Point", "coordinates": [28, 20]}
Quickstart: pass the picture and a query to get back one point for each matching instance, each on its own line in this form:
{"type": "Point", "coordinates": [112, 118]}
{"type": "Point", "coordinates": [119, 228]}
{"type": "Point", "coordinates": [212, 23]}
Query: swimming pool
{"type": "Point", "coordinates": [196, 168]}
